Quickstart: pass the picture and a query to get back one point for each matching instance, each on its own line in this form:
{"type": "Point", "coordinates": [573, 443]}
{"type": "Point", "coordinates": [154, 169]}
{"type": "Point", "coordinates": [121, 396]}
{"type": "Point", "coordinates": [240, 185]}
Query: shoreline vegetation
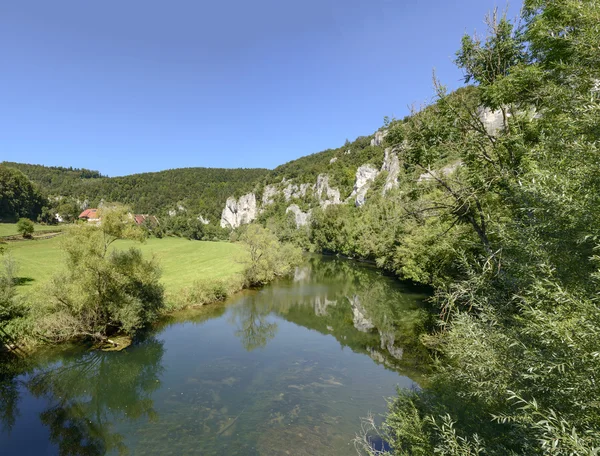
{"type": "Point", "coordinates": [95, 284]}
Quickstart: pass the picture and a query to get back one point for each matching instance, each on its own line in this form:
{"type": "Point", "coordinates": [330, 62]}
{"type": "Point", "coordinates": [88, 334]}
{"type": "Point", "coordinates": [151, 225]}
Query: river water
{"type": "Point", "coordinates": [286, 370]}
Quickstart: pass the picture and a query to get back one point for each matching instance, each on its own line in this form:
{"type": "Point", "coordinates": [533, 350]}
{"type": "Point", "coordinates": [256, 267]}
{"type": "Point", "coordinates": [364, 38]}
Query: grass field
{"type": "Point", "coordinates": [10, 229]}
{"type": "Point", "coordinates": [182, 261]}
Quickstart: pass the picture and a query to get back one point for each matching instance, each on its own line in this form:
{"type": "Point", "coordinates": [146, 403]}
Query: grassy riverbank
{"type": "Point", "coordinates": [183, 262]}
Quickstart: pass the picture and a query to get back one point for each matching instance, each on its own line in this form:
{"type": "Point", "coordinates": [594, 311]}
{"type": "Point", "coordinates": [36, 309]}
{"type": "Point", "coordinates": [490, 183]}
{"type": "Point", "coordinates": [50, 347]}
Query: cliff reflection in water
{"type": "Point", "coordinates": [364, 310]}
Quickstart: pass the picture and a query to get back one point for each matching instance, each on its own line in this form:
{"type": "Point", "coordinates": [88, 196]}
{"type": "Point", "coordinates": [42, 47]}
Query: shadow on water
{"type": "Point", "coordinates": [288, 368]}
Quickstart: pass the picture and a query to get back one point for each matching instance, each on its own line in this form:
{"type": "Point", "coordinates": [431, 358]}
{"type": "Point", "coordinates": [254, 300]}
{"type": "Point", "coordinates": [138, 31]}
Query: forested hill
{"type": "Point", "coordinates": [200, 191]}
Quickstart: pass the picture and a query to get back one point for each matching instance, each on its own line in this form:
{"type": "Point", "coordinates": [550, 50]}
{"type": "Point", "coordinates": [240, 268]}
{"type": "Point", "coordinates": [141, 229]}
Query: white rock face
{"type": "Point", "coordinates": [493, 121]}
{"type": "Point", "coordinates": [296, 191]}
{"type": "Point", "coordinates": [269, 193]}
{"type": "Point", "coordinates": [290, 190]}
{"type": "Point", "coordinates": [326, 194]}
{"type": "Point", "coordinates": [361, 322]}
{"type": "Point", "coordinates": [379, 137]}
{"type": "Point", "coordinates": [304, 188]}
{"type": "Point", "coordinates": [445, 171]}
{"type": "Point", "coordinates": [239, 212]}
{"type": "Point", "coordinates": [333, 160]}
{"type": "Point", "coordinates": [203, 220]}
{"type": "Point", "coordinates": [391, 164]}
{"type": "Point", "coordinates": [302, 218]}
{"type": "Point", "coordinates": [364, 176]}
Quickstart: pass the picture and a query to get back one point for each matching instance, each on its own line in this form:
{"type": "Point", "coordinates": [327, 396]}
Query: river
{"type": "Point", "coordinates": [289, 369]}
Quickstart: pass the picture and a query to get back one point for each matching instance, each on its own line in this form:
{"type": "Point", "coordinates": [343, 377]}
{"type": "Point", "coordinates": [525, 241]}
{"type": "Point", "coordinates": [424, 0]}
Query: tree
{"type": "Point", "coordinates": [19, 197]}
{"type": "Point", "coordinates": [103, 290]}
{"type": "Point", "coordinates": [267, 257]}
{"type": "Point", "coordinates": [25, 227]}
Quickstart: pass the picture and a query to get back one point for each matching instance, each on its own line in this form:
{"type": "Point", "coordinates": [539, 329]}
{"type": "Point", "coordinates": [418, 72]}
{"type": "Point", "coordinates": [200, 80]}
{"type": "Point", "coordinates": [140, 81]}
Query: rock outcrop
{"type": "Point", "coordinates": [296, 191]}
{"type": "Point", "coordinates": [302, 218]}
{"type": "Point", "coordinates": [493, 121]}
{"type": "Point", "coordinates": [239, 212]}
{"type": "Point", "coordinates": [445, 171]}
{"type": "Point", "coordinates": [379, 137]}
{"type": "Point", "coordinates": [391, 164]}
{"type": "Point", "coordinates": [269, 193]}
{"type": "Point", "coordinates": [365, 174]}
{"type": "Point", "coordinates": [326, 194]}
{"type": "Point", "coordinates": [203, 220]}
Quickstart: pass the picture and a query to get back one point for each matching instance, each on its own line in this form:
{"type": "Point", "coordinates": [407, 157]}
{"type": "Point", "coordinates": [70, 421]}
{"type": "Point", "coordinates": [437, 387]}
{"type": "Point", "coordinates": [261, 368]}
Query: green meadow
{"type": "Point", "coordinates": [182, 261]}
{"type": "Point", "coordinates": [10, 229]}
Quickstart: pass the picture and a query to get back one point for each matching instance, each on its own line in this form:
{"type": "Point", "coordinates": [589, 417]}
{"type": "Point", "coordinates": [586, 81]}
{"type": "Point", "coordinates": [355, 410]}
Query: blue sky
{"type": "Point", "coordinates": [143, 85]}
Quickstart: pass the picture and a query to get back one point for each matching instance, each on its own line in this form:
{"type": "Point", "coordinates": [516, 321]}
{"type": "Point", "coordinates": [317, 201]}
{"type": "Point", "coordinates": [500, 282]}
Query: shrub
{"type": "Point", "coordinates": [25, 227]}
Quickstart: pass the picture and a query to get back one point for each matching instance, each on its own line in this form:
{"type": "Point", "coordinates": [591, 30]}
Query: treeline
{"type": "Point", "coordinates": [508, 235]}
{"type": "Point", "coordinates": [194, 191]}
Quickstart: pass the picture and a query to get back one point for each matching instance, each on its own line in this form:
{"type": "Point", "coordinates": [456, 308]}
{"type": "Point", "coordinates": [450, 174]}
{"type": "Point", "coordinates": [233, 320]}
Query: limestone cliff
{"type": "Point", "coordinates": [391, 164]}
{"type": "Point", "coordinates": [365, 174]}
{"type": "Point", "coordinates": [239, 212]}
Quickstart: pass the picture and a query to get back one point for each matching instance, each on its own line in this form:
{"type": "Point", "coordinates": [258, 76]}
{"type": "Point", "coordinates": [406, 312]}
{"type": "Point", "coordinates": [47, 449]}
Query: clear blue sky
{"type": "Point", "coordinates": [126, 86]}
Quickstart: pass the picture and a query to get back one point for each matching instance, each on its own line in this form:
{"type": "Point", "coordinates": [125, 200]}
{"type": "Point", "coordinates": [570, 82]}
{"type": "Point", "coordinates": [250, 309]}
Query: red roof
{"type": "Point", "coordinates": [141, 218]}
{"type": "Point", "coordinates": [89, 214]}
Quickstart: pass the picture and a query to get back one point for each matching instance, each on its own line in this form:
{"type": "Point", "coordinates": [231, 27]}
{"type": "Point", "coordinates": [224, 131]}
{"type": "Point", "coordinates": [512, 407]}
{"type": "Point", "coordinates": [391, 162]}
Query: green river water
{"type": "Point", "coordinates": [286, 370]}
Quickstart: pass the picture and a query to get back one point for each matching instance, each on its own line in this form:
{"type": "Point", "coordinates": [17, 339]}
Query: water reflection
{"type": "Point", "coordinates": [85, 396]}
{"type": "Point", "coordinates": [366, 311]}
{"type": "Point", "coordinates": [253, 328]}
{"type": "Point", "coordinates": [261, 375]}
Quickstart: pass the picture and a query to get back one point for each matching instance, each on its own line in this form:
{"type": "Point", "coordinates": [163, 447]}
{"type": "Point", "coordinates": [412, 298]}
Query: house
{"type": "Point", "coordinates": [91, 215]}
{"type": "Point", "coordinates": [140, 219]}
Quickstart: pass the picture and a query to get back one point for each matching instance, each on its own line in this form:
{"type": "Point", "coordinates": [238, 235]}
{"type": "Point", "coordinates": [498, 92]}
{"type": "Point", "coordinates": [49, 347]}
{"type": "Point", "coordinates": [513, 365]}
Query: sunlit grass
{"type": "Point", "coordinates": [182, 261]}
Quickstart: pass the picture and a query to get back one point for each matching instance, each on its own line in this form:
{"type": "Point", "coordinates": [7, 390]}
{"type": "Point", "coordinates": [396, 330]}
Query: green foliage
{"type": "Point", "coordinates": [10, 307]}
{"type": "Point", "coordinates": [18, 196]}
{"type": "Point", "coordinates": [201, 191]}
{"type": "Point", "coordinates": [267, 257]}
{"type": "Point", "coordinates": [25, 227]}
{"type": "Point", "coordinates": [101, 291]}
{"type": "Point", "coordinates": [206, 291]}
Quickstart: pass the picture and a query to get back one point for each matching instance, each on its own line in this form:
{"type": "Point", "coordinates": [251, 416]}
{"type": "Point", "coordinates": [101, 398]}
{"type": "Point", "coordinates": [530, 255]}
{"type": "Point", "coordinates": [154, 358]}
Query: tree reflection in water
{"type": "Point", "coordinates": [250, 318]}
{"type": "Point", "coordinates": [88, 394]}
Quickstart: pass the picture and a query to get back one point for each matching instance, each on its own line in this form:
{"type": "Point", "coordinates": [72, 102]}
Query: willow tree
{"type": "Point", "coordinates": [102, 289]}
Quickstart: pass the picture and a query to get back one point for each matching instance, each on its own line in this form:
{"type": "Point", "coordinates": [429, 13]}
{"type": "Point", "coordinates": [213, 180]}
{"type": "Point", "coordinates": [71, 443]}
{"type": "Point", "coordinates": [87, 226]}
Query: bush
{"type": "Point", "coordinates": [25, 227]}
{"type": "Point", "coordinates": [203, 292]}
{"type": "Point", "coordinates": [267, 257]}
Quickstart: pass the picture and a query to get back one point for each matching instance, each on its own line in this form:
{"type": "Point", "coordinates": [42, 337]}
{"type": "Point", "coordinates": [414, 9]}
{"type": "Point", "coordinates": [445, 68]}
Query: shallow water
{"type": "Point", "coordinates": [286, 370]}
